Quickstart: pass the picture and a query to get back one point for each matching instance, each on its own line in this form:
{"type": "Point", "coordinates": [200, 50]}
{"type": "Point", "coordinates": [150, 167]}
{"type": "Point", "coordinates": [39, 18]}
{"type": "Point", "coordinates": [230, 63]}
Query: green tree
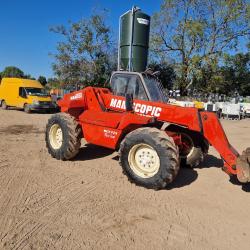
{"type": "Point", "coordinates": [197, 32]}
{"type": "Point", "coordinates": [28, 76]}
{"type": "Point", "coordinates": [84, 56]}
{"type": "Point", "coordinates": [12, 71]}
{"type": "Point", "coordinates": [53, 83]}
{"type": "Point", "coordinates": [236, 73]}
{"type": "Point", "coordinates": [167, 74]}
{"type": "Point", "coordinates": [42, 80]}
{"type": "Point", "coordinates": [233, 74]}
{"type": "Point", "coordinates": [209, 79]}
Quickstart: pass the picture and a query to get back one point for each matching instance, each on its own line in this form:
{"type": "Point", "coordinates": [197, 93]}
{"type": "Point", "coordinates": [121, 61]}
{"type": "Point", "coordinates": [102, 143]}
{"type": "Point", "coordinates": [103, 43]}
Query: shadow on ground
{"type": "Point", "coordinates": [34, 111]}
{"type": "Point", "coordinates": [91, 152]}
{"type": "Point", "coordinates": [21, 129]}
{"type": "Point", "coordinates": [211, 161]}
{"type": "Point", "coordinates": [244, 186]}
{"type": "Point", "coordinates": [184, 178]}
{"type": "Point", "coordinates": [188, 175]}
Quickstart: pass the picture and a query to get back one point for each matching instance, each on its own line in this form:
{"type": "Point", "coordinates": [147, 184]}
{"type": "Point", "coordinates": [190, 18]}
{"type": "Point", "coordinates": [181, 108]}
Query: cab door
{"type": "Point", "coordinates": [22, 97]}
{"type": "Point", "coordinates": [126, 83]}
{"type": "Point", "coordinates": [123, 83]}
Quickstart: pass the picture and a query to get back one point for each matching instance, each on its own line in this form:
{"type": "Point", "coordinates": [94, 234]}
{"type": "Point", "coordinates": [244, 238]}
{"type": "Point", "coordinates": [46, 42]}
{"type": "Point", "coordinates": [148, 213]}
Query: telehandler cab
{"type": "Point", "coordinates": [152, 136]}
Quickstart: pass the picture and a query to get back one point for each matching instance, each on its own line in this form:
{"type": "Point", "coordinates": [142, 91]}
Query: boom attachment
{"type": "Point", "coordinates": [243, 166]}
{"type": "Point", "coordinates": [234, 163]}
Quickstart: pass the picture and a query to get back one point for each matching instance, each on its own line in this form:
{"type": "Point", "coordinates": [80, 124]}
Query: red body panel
{"type": "Point", "coordinates": [75, 100]}
{"type": "Point", "coordinates": [101, 136]}
{"type": "Point", "coordinates": [105, 121]}
{"type": "Point", "coordinates": [162, 111]}
{"type": "Point", "coordinates": [216, 136]}
{"type": "Point", "coordinates": [106, 128]}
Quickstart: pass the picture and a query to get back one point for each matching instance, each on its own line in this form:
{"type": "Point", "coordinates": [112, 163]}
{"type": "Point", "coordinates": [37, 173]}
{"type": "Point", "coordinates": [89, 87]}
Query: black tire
{"type": "Point", "coordinates": [166, 150]}
{"type": "Point", "coordinates": [194, 159]}
{"type": "Point", "coordinates": [4, 105]}
{"type": "Point", "coordinates": [198, 151]}
{"type": "Point", "coordinates": [71, 136]}
{"type": "Point", "coordinates": [26, 109]}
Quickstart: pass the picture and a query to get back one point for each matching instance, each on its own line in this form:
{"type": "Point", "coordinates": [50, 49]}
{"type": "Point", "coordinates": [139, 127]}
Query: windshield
{"type": "Point", "coordinates": [155, 89]}
{"type": "Point", "coordinates": [36, 92]}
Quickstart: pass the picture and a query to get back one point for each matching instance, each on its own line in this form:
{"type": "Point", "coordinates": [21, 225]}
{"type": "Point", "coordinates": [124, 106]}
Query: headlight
{"type": "Point", "coordinates": [35, 102]}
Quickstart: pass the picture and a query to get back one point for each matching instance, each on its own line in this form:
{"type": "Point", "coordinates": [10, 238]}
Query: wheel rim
{"type": "Point", "coordinates": [144, 160]}
{"type": "Point", "coordinates": [187, 146]}
{"type": "Point", "coordinates": [55, 136]}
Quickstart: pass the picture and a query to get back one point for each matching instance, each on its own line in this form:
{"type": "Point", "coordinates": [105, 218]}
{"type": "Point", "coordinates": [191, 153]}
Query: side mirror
{"type": "Point", "coordinates": [129, 102]}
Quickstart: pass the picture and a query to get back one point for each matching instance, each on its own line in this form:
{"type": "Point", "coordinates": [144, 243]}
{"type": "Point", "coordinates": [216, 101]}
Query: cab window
{"type": "Point", "coordinates": [122, 84]}
{"type": "Point", "coordinates": [22, 92]}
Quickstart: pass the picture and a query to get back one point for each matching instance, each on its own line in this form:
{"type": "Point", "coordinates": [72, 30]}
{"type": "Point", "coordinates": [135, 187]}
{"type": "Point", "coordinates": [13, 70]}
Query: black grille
{"type": "Point", "coordinates": [44, 103]}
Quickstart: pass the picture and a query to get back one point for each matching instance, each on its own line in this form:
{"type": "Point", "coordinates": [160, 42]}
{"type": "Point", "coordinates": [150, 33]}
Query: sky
{"type": "Point", "coordinates": [25, 39]}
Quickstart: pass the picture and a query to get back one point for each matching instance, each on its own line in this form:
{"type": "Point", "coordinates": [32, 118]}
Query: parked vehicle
{"type": "Point", "coordinates": [232, 111]}
{"type": "Point", "coordinates": [25, 94]}
{"type": "Point", "coordinates": [246, 109]}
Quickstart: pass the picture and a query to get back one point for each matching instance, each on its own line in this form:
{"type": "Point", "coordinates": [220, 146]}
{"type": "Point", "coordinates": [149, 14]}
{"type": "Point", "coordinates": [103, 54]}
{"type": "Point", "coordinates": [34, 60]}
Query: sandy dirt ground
{"type": "Point", "coordinates": [87, 203]}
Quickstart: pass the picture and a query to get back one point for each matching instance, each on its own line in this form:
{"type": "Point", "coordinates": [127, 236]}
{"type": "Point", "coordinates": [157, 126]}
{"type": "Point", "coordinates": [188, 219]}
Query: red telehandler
{"type": "Point", "coordinates": [152, 136]}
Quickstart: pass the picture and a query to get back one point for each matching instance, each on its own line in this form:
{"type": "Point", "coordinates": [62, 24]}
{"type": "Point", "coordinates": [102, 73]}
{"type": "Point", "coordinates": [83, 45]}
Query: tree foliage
{"type": "Point", "coordinates": [167, 74]}
{"type": "Point", "coordinates": [232, 75]}
{"type": "Point", "coordinates": [12, 71]}
{"type": "Point", "coordinates": [198, 37]}
{"type": "Point", "coordinates": [236, 73]}
{"type": "Point", "coordinates": [42, 80]}
{"type": "Point", "coordinates": [53, 83]}
{"type": "Point", "coordinates": [196, 33]}
{"type": "Point", "coordinates": [85, 54]}
{"type": "Point", "coordinates": [28, 76]}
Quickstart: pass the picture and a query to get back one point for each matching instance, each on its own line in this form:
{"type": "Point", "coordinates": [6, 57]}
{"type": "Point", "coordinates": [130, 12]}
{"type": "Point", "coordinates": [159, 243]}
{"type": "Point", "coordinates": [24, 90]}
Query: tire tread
{"type": "Point", "coordinates": [73, 130]}
{"type": "Point", "coordinates": [162, 141]}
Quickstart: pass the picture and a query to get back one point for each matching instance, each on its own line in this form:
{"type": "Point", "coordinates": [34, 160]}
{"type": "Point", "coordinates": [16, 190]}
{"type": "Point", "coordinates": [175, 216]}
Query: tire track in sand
{"type": "Point", "coordinates": [11, 188]}
{"type": "Point", "coordinates": [51, 215]}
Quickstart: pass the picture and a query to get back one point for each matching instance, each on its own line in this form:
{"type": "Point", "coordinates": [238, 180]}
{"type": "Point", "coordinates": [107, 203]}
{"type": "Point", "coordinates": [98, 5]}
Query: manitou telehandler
{"type": "Point", "coordinates": [134, 117]}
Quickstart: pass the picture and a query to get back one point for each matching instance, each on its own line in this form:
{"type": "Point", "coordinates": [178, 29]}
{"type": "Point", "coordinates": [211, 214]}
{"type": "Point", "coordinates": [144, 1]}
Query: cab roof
{"type": "Point", "coordinates": [22, 82]}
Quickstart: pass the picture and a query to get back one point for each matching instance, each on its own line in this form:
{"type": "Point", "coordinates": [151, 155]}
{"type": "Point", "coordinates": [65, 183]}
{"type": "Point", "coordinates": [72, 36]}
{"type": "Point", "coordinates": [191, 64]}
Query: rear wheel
{"type": "Point", "coordinates": [4, 105]}
{"type": "Point", "coordinates": [149, 158]}
{"type": "Point", "coordinates": [63, 136]}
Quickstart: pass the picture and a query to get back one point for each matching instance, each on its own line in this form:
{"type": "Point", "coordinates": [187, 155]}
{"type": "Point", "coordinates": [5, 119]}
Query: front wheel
{"type": "Point", "coordinates": [191, 152]}
{"type": "Point", "coordinates": [149, 158]}
{"type": "Point", "coordinates": [193, 147]}
{"type": "Point", "coordinates": [4, 105]}
{"type": "Point", "coordinates": [63, 136]}
{"type": "Point", "coordinates": [26, 109]}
